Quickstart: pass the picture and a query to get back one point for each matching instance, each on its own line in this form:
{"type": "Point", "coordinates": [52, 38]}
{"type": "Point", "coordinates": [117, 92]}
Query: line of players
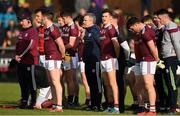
{"type": "Point", "coordinates": [66, 44]}
{"type": "Point", "coordinates": [52, 52]}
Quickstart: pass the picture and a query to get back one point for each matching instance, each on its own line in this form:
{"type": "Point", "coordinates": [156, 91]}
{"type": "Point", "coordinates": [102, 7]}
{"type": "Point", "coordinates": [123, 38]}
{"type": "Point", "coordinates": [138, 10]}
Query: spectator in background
{"type": "Point", "coordinates": [146, 7]}
{"type": "Point", "coordinates": [9, 15]}
{"type": "Point", "coordinates": [121, 21]}
{"type": "Point", "coordinates": [48, 4]}
{"type": "Point", "coordinates": [11, 35]}
{"type": "Point", "coordinates": [81, 14]}
{"type": "Point", "coordinates": [79, 4]}
{"type": "Point", "coordinates": [100, 3]}
{"type": "Point", "coordinates": [2, 34]}
{"type": "Point", "coordinates": [96, 11]}
{"type": "Point", "coordinates": [4, 5]}
{"type": "Point", "coordinates": [21, 6]}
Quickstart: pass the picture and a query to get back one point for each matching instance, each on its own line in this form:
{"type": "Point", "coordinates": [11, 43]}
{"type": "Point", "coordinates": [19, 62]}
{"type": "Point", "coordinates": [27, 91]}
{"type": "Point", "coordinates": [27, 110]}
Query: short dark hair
{"type": "Point", "coordinates": [107, 11]}
{"type": "Point", "coordinates": [132, 21]}
{"type": "Point", "coordinates": [161, 12]}
{"type": "Point", "coordinates": [115, 15]}
{"type": "Point", "coordinates": [39, 9]}
{"type": "Point", "coordinates": [79, 19]}
{"type": "Point", "coordinates": [47, 12]}
{"type": "Point", "coordinates": [66, 12]}
{"type": "Point", "coordinates": [146, 18]}
{"type": "Point", "coordinates": [25, 15]}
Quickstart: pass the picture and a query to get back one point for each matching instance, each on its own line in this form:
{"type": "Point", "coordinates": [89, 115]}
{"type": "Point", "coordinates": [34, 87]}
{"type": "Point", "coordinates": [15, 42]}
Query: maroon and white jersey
{"type": "Point", "coordinates": [65, 34]}
{"type": "Point", "coordinates": [51, 48]}
{"type": "Point", "coordinates": [27, 46]}
{"type": "Point", "coordinates": [107, 48]}
{"type": "Point", "coordinates": [71, 31]}
{"type": "Point", "coordinates": [147, 34]}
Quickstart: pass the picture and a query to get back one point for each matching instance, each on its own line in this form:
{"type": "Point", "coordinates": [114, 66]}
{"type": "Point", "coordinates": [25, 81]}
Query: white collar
{"type": "Point", "coordinates": [107, 25]}
{"type": "Point", "coordinates": [49, 25]}
{"type": "Point", "coordinates": [143, 30]}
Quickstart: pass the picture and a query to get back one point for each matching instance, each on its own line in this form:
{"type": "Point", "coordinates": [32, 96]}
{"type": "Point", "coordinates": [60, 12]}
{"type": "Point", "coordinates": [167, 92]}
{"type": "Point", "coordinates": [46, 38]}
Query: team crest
{"type": "Point", "coordinates": [72, 26]}
{"type": "Point", "coordinates": [26, 35]}
{"type": "Point", "coordinates": [52, 28]}
{"type": "Point", "coordinates": [89, 35]}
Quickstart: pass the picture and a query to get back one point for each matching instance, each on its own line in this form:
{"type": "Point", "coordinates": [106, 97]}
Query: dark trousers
{"type": "Point", "coordinates": [27, 82]}
{"type": "Point", "coordinates": [92, 71]}
{"type": "Point", "coordinates": [161, 87]}
{"type": "Point", "coordinates": [171, 81]}
{"type": "Point", "coordinates": [120, 83]}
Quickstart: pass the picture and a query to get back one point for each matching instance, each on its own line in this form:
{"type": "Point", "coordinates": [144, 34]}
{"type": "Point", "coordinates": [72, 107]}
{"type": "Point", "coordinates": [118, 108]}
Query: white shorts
{"type": "Point", "coordinates": [42, 60]}
{"type": "Point", "coordinates": [53, 64]}
{"type": "Point", "coordinates": [72, 64]}
{"type": "Point", "coordinates": [109, 65]}
{"type": "Point", "coordinates": [44, 94]}
{"type": "Point", "coordinates": [148, 67]}
{"type": "Point", "coordinates": [137, 70]}
{"type": "Point", "coordinates": [81, 66]}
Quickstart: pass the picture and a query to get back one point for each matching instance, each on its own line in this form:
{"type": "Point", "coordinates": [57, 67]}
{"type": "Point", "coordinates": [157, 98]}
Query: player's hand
{"type": "Point", "coordinates": [160, 64]}
{"type": "Point", "coordinates": [67, 57]}
{"type": "Point", "coordinates": [17, 58]}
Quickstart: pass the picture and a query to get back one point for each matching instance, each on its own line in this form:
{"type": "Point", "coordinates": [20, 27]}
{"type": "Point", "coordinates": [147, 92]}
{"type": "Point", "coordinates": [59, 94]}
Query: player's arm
{"type": "Point", "coordinates": [112, 32]}
{"type": "Point", "coordinates": [116, 45]}
{"type": "Point", "coordinates": [153, 49]}
{"type": "Point", "coordinates": [61, 46]}
{"type": "Point", "coordinates": [174, 35]}
{"type": "Point", "coordinates": [71, 43]}
{"type": "Point", "coordinates": [74, 32]}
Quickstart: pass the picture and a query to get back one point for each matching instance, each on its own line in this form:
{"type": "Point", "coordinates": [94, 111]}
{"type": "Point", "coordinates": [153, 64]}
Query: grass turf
{"type": "Point", "coordinates": [10, 93]}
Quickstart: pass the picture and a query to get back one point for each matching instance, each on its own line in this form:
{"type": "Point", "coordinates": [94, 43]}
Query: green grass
{"type": "Point", "coordinates": [10, 93]}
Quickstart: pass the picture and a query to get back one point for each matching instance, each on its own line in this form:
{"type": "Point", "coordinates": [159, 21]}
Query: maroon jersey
{"type": "Point", "coordinates": [107, 47]}
{"type": "Point", "coordinates": [65, 34]}
{"type": "Point", "coordinates": [137, 48]}
{"type": "Point", "coordinates": [51, 48]}
{"type": "Point", "coordinates": [71, 31]}
{"type": "Point", "coordinates": [27, 46]}
{"type": "Point", "coordinates": [147, 34]}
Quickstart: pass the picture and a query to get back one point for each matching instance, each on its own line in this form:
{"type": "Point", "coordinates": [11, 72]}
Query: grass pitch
{"type": "Point", "coordinates": [10, 93]}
